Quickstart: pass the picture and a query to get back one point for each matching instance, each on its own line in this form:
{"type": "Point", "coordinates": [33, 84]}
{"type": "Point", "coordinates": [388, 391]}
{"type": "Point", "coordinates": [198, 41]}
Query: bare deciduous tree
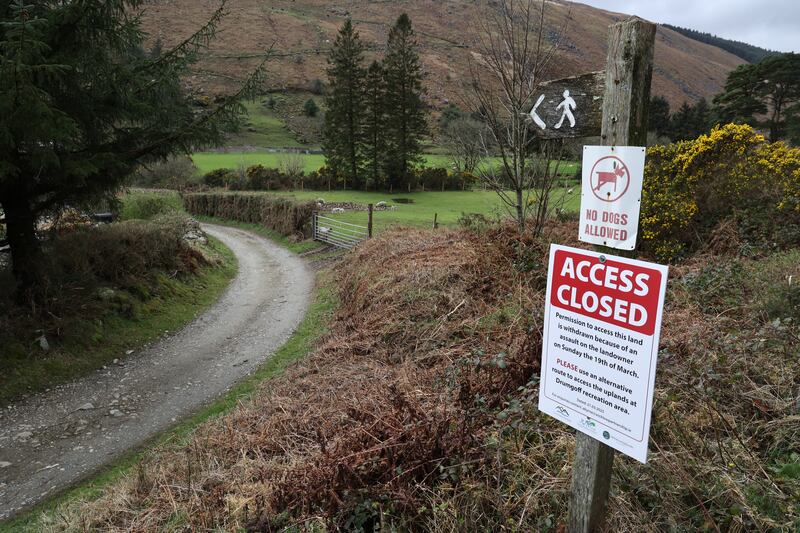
{"type": "Point", "coordinates": [291, 164]}
{"type": "Point", "coordinates": [464, 138]}
{"type": "Point", "coordinates": [516, 48]}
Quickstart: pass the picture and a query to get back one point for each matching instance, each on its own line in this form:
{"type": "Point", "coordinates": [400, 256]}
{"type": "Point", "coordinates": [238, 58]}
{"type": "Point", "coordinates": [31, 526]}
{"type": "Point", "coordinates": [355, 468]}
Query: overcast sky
{"type": "Point", "coordinates": [772, 24]}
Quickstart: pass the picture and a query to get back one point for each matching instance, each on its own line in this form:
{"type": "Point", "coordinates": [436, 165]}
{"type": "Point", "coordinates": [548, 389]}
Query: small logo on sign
{"type": "Point", "coordinates": [562, 411]}
{"type": "Point", "coordinates": [610, 178]}
{"type": "Point", "coordinates": [606, 435]}
{"type": "Point", "coordinates": [589, 424]}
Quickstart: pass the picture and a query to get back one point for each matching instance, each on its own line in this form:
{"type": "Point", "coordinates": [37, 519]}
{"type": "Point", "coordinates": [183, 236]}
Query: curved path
{"type": "Point", "coordinates": [51, 440]}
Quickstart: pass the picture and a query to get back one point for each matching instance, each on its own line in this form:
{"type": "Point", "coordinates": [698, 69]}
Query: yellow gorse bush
{"type": "Point", "coordinates": [690, 186]}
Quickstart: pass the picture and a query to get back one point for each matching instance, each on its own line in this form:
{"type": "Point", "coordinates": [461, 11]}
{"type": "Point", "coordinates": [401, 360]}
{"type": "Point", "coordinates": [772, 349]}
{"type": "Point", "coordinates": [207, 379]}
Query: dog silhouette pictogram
{"type": "Point", "coordinates": [609, 177]}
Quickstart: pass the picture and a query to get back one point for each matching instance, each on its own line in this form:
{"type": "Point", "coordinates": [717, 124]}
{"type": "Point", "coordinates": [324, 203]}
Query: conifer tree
{"type": "Point", "coordinates": [343, 120]}
{"type": "Point", "coordinates": [681, 123]}
{"type": "Point", "coordinates": [405, 110]}
{"type": "Point", "coordinates": [82, 105]}
{"type": "Point", "coordinates": [374, 124]}
{"type": "Point", "coordinates": [764, 94]}
{"type": "Point", "coordinates": [658, 115]}
{"type": "Point", "coordinates": [701, 118]}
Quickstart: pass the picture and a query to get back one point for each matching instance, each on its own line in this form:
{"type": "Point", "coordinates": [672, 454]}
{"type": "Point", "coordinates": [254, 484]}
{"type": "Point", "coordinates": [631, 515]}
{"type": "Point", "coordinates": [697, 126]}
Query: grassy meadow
{"type": "Point", "coordinates": [208, 161]}
{"type": "Point", "coordinates": [264, 127]}
{"type": "Point", "coordinates": [449, 206]}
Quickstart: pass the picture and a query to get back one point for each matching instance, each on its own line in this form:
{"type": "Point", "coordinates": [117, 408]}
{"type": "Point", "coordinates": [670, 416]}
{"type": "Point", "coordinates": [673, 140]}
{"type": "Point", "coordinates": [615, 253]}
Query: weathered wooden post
{"type": "Point", "coordinates": [369, 221]}
{"type": "Point", "coordinates": [435, 220]}
{"type": "Point", "coordinates": [629, 69]}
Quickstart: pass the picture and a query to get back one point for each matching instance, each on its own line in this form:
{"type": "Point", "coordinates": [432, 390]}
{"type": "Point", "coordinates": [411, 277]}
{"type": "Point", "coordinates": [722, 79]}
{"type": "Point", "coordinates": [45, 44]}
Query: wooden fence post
{"type": "Point", "coordinates": [435, 220]}
{"type": "Point", "coordinates": [629, 70]}
{"type": "Point", "coordinates": [369, 221]}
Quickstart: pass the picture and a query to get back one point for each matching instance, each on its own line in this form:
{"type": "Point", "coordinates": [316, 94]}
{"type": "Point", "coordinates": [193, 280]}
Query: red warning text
{"type": "Point", "coordinates": [621, 294]}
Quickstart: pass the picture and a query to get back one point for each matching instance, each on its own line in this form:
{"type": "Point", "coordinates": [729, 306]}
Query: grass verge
{"type": "Point", "coordinates": [173, 303]}
{"type": "Point", "coordinates": [313, 326]}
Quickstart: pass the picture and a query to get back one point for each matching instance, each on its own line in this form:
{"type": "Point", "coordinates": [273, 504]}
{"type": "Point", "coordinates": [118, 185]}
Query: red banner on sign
{"type": "Point", "coordinates": [621, 294]}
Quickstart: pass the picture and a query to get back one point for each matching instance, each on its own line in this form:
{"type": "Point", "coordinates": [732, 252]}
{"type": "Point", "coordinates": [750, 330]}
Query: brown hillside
{"type": "Point", "coordinates": [301, 31]}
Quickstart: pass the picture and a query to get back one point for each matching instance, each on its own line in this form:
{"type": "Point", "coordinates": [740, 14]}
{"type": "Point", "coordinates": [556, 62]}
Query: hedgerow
{"type": "Point", "coordinates": [261, 178]}
{"type": "Point", "coordinates": [284, 215]}
{"type": "Point", "coordinates": [90, 271]}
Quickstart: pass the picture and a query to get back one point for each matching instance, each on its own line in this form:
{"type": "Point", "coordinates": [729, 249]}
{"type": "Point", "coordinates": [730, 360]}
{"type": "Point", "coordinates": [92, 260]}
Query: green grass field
{"type": "Point", "coordinates": [449, 206]}
{"type": "Point", "coordinates": [263, 128]}
{"type": "Point", "coordinates": [208, 161]}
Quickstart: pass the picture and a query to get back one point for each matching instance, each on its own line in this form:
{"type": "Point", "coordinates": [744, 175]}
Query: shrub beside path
{"type": "Point", "coordinates": [51, 440]}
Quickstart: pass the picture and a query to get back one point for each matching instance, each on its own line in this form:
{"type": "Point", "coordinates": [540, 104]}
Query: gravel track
{"type": "Point", "coordinates": [52, 440]}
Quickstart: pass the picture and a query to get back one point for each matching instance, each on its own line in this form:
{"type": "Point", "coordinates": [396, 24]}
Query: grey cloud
{"type": "Point", "coordinates": [772, 24]}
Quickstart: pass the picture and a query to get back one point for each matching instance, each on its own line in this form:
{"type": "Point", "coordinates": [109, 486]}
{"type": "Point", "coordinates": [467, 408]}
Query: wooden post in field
{"type": "Point", "coordinates": [435, 220]}
{"type": "Point", "coordinates": [629, 69]}
{"type": "Point", "coordinates": [369, 221]}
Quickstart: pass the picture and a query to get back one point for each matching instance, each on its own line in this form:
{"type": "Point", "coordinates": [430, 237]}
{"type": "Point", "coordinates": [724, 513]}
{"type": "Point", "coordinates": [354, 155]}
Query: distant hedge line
{"type": "Point", "coordinates": [260, 178]}
{"type": "Point", "coordinates": [286, 216]}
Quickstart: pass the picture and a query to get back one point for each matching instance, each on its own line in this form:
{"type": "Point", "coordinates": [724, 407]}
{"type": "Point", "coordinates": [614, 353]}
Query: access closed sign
{"type": "Point", "coordinates": [601, 331]}
{"type": "Point", "coordinates": [611, 194]}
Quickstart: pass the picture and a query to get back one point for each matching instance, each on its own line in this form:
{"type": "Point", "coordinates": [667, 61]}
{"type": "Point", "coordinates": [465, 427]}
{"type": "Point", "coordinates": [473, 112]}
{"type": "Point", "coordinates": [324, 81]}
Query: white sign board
{"type": "Point", "coordinates": [611, 193]}
{"type": "Point", "coordinates": [601, 329]}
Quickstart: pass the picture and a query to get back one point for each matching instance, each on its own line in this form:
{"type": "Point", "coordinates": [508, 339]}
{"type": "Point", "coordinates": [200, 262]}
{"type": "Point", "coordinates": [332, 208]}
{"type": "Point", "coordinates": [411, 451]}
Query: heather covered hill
{"type": "Point", "coordinates": [300, 33]}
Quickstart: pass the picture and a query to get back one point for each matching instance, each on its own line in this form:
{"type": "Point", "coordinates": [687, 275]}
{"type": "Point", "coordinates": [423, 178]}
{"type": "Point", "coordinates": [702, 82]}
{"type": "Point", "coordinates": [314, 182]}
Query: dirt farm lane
{"type": "Point", "coordinates": [51, 440]}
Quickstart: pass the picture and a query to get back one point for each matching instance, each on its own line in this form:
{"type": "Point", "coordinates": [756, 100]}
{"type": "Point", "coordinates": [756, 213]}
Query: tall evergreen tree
{"type": "Point", "coordinates": [762, 94]}
{"type": "Point", "coordinates": [701, 118]}
{"type": "Point", "coordinates": [405, 110]}
{"type": "Point", "coordinates": [739, 101]}
{"type": "Point", "coordinates": [658, 115]}
{"type": "Point", "coordinates": [82, 105]}
{"type": "Point", "coordinates": [793, 124]}
{"type": "Point", "coordinates": [343, 119]}
{"type": "Point", "coordinates": [780, 89]}
{"type": "Point", "coordinates": [374, 123]}
{"type": "Point", "coordinates": [682, 123]}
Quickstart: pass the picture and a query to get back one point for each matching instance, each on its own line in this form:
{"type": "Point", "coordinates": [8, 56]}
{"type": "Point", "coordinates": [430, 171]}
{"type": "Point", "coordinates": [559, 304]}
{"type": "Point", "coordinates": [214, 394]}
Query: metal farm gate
{"type": "Point", "coordinates": [338, 233]}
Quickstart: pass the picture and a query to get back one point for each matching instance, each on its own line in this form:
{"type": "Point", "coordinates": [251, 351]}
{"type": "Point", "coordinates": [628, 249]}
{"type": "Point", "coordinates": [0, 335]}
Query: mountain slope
{"type": "Point", "coordinates": [748, 52]}
{"type": "Point", "coordinates": [300, 32]}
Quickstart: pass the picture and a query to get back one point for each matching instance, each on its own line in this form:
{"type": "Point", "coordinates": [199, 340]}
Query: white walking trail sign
{"type": "Point", "coordinates": [611, 194]}
{"type": "Point", "coordinates": [600, 345]}
{"type": "Point", "coordinates": [568, 107]}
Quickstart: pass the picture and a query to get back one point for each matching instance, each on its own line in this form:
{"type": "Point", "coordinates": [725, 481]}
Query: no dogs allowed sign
{"type": "Point", "coordinates": [611, 194]}
{"type": "Point", "coordinates": [601, 330]}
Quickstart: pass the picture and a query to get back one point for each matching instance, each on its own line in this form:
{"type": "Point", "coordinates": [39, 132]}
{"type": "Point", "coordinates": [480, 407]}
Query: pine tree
{"type": "Point", "coordinates": [405, 110]}
{"type": "Point", "coordinates": [701, 118]}
{"type": "Point", "coordinates": [681, 123]}
{"type": "Point", "coordinates": [762, 94]}
{"type": "Point", "coordinates": [343, 120]}
{"type": "Point", "coordinates": [658, 115]}
{"type": "Point", "coordinates": [374, 124]}
{"type": "Point", "coordinates": [82, 105]}
{"type": "Point", "coordinates": [793, 124]}
{"type": "Point", "coordinates": [310, 108]}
